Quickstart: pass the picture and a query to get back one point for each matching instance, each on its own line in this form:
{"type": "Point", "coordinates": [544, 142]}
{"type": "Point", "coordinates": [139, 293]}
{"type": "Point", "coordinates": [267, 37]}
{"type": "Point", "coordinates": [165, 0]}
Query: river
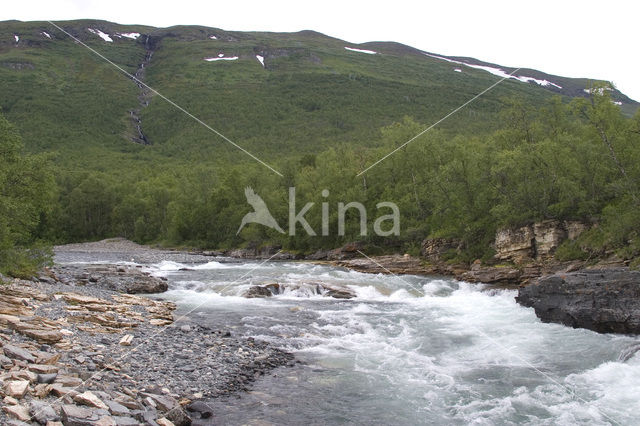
{"type": "Point", "coordinates": [408, 350]}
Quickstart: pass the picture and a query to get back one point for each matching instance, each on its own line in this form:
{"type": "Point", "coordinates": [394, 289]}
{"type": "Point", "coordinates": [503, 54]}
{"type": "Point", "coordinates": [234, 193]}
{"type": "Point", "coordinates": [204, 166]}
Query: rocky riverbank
{"type": "Point", "coordinates": [77, 348]}
{"type": "Point", "coordinates": [603, 300]}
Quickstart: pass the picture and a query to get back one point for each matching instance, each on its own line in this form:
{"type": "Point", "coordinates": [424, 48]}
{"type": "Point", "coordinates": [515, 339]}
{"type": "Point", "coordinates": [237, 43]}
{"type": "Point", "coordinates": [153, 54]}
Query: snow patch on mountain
{"type": "Point", "coordinates": [497, 72]}
{"type": "Point", "coordinates": [46, 34]}
{"type": "Point", "coordinates": [260, 59]}
{"type": "Point", "coordinates": [370, 52]}
{"type": "Point", "coordinates": [100, 34]}
{"type": "Point", "coordinates": [16, 37]}
{"type": "Point", "coordinates": [132, 36]}
{"type": "Point", "coordinates": [221, 58]}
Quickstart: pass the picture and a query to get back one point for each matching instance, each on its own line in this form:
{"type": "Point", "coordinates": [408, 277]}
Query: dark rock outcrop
{"type": "Point", "coordinates": [605, 300]}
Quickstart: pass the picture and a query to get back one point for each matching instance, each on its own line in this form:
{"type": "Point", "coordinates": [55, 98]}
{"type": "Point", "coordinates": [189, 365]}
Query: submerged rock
{"type": "Point", "coordinates": [606, 300]}
{"type": "Point", "coordinates": [312, 288]}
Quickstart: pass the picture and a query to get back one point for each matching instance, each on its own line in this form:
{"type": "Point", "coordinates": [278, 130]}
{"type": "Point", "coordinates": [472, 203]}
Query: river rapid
{"type": "Point", "coordinates": [407, 350]}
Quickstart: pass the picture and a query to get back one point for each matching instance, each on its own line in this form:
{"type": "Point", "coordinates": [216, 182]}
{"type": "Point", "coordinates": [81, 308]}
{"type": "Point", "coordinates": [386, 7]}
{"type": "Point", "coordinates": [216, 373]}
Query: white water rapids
{"type": "Point", "coordinates": [408, 350]}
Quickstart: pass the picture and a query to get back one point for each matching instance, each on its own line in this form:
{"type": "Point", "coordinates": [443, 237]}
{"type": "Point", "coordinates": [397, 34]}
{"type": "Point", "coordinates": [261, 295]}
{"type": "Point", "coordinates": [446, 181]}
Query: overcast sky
{"type": "Point", "coordinates": [570, 38]}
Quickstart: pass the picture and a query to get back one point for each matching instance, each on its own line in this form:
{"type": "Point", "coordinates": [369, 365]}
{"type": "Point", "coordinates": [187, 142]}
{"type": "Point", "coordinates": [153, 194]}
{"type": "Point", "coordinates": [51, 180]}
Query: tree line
{"type": "Point", "coordinates": [567, 161]}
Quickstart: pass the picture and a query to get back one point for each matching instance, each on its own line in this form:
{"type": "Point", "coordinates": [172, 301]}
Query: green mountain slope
{"type": "Point", "coordinates": [311, 93]}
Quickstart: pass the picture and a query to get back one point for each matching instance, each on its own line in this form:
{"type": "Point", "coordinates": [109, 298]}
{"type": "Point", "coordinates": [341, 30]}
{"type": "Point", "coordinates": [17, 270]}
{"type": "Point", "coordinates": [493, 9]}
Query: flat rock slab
{"type": "Point", "coordinates": [15, 352]}
{"type": "Point", "coordinates": [90, 399]}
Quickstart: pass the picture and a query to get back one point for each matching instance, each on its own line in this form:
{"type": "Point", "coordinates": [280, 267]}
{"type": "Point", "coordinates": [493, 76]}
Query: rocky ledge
{"type": "Point", "coordinates": [75, 353]}
{"type": "Point", "coordinates": [603, 300]}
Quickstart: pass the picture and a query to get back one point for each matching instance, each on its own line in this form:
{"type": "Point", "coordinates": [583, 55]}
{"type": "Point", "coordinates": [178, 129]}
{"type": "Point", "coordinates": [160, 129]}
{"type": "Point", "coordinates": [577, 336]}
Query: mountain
{"type": "Point", "coordinates": [271, 93]}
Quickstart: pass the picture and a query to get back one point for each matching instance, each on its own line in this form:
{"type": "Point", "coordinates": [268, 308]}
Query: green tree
{"type": "Point", "coordinates": [26, 194]}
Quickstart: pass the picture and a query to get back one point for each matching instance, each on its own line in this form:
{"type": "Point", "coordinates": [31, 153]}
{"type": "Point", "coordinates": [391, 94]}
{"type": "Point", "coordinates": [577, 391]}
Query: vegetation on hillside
{"type": "Point", "coordinates": [26, 198]}
{"type": "Point", "coordinates": [319, 114]}
{"type": "Point", "coordinates": [576, 161]}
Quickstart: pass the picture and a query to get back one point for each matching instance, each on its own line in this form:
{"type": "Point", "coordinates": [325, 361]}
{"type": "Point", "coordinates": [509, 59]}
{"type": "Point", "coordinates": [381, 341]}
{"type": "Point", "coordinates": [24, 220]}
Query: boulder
{"type": "Point", "coordinates": [178, 416]}
{"type": "Point", "coordinates": [606, 300]}
{"type": "Point", "coordinates": [202, 408]}
{"type": "Point", "coordinates": [257, 291]}
{"type": "Point", "coordinates": [146, 285]}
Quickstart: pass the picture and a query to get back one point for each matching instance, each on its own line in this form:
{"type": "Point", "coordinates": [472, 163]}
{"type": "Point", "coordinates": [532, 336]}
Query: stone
{"type": "Point", "coordinates": [437, 249]}
{"type": "Point", "coordinates": [42, 390]}
{"type": "Point", "coordinates": [126, 340]}
{"type": "Point", "coordinates": [515, 245]}
{"type": "Point", "coordinates": [201, 408]}
{"type": "Point", "coordinates": [5, 362]}
{"type": "Point", "coordinates": [147, 285]}
{"type": "Point", "coordinates": [324, 289]}
{"type": "Point", "coordinates": [178, 416]}
{"type": "Point", "coordinates": [16, 389]}
{"type": "Point", "coordinates": [185, 328]}
{"type": "Point", "coordinates": [163, 421]}
{"type": "Point", "coordinates": [105, 421]}
{"type": "Point", "coordinates": [15, 352]}
{"type": "Point", "coordinates": [503, 276]}
{"type": "Point", "coordinates": [549, 234]}
{"type": "Point", "coordinates": [60, 390]}
{"type": "Point", "coordinates": [162, 402]}
{"type": "Point", "coordinates": [27, 375]}
{"type": "Point", "coordinates": [90, 399]}
{"type": "Point", "coordinates": [73, 415]}
{"type": "Point", "coordinates": [9, 400]}
{"type": "Point", "coordinates": [43, 412]}
{"type": "Point", "coordinates": [575, 229]}
{"type": "Point", "coordinates": [605, 300]}
{"type": "Point", "coordinates": [116, 408]}
{"type": "Point", "coordinates": [126, 421]}
{"type": "Point", "coordinates": [537, 241]}
{"type": "Point", "coordinates": [43, 369]}
{"type": "Point", "coordinates": [69, 381]}
{"type": "Point", "coordinates": [43, 336]}
{"type": "Point", "coordinates": [257, 291]}
{"type": "Point", "coordinates": [47, 378]}
{"type": "Point", "coordinates": [19, 412]}
{"type": "Point", "coordinates": [54, 424]}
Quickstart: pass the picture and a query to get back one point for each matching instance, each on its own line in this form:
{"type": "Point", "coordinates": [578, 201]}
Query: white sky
{"type": "Point", "coordinates": [594, 39]}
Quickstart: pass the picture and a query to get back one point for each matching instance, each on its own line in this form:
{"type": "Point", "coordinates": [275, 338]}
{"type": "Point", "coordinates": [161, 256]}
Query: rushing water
{"type": "Point", "coordinates": [409, 350]}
